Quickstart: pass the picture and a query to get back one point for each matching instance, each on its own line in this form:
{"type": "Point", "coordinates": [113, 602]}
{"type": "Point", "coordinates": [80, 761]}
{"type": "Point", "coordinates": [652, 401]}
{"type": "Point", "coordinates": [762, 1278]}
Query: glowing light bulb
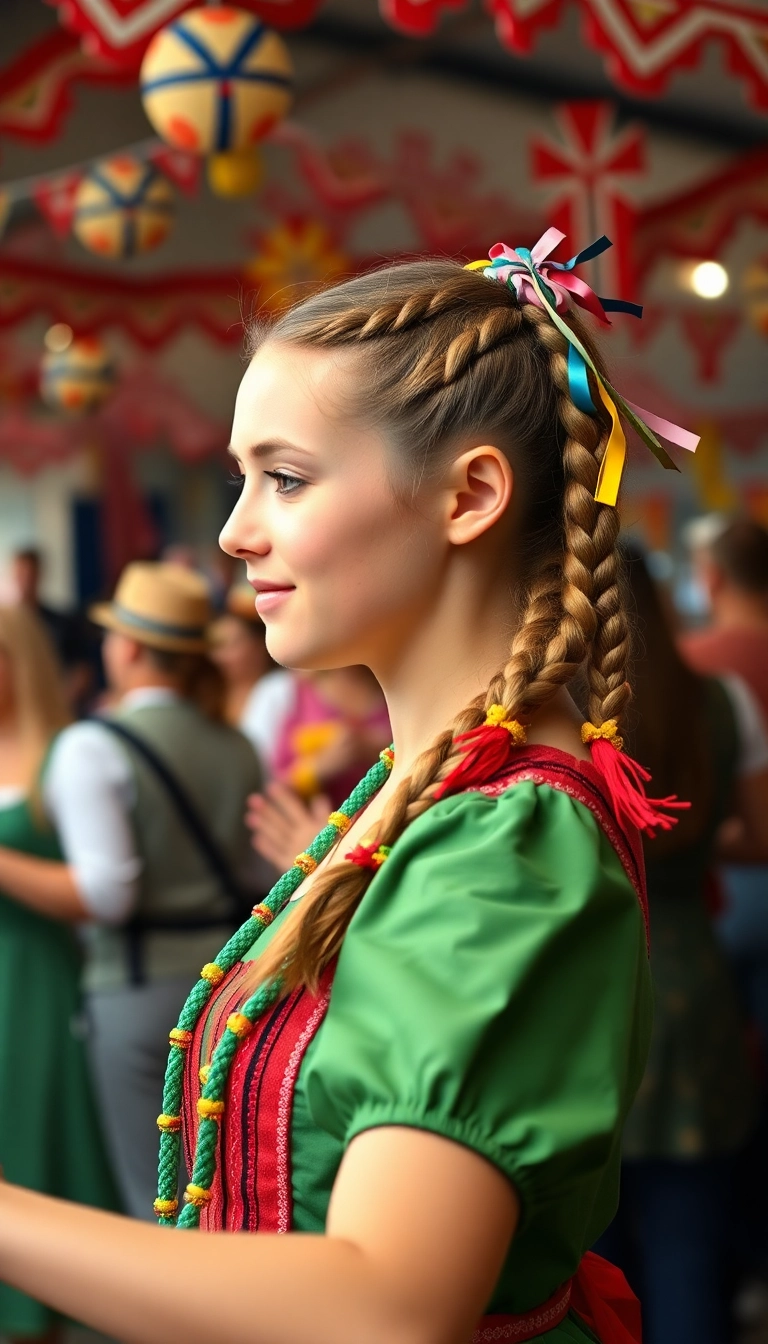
{"type": "Point", "coordinates": [58, 338]}
{"type": "Point", "coordinates": [709, 280]}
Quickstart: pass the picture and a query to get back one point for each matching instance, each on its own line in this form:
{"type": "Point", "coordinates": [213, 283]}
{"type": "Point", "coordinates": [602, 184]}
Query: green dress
{"type": "Point", "coordinates": [49, 1135]}
{"type": "Point", "coordinates": [493, 988]}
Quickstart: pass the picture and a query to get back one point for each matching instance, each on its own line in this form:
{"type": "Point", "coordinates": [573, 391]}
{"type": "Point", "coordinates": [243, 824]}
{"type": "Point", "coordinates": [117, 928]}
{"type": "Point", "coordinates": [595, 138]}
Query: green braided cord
{"type": "Point", "coordinates": [242, 941]}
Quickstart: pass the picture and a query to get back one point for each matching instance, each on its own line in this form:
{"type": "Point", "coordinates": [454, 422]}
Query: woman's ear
{"type": "Point", "coordinates": [480, 484]}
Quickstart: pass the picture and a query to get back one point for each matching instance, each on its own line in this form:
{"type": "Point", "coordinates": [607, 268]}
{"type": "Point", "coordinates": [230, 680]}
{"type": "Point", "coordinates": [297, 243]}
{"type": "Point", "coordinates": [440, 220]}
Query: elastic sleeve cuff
{"type": "Point", "coordinates": [469, 1135]}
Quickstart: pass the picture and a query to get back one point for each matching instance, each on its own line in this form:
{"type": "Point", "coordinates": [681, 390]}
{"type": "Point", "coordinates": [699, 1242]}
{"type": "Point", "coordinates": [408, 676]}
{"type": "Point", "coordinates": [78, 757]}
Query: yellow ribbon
{"type": "Point", "coordinates": [612, 465]}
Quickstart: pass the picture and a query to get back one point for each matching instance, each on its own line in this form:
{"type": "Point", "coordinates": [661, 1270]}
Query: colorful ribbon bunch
{"type": "Point", "coordinates": [552, 286]}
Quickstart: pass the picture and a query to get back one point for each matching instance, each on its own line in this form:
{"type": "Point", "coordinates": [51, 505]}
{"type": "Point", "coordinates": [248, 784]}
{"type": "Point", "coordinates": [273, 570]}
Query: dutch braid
{"type": "Point", "coordinates": [474, 361]}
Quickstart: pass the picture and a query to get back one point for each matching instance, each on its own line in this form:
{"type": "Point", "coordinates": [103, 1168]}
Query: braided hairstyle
{"type": "Point", "coordinates": [441, 355]}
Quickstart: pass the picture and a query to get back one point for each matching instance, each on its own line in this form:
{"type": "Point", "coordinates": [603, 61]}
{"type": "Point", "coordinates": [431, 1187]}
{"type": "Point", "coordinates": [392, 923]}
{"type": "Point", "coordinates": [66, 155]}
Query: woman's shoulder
{"type": "Point", "coordinates": [533, 848]}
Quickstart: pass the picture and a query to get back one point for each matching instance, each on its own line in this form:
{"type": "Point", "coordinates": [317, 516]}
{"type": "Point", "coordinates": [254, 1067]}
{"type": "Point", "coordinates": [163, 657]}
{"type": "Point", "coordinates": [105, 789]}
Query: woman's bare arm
{"type": "Point", "coordinates": [417, 1232]}
{"type": "Point", "coordinates": [45, 885]}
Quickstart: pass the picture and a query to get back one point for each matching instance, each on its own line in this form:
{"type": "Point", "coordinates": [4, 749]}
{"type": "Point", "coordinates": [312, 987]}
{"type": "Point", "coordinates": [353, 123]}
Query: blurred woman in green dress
{"type": "Point", "coordinates": [49, 1135]}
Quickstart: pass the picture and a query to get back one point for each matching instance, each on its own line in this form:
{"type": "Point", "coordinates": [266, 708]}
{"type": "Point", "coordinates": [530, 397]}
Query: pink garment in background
{"type": "Point", "coordinates": [311, 724]}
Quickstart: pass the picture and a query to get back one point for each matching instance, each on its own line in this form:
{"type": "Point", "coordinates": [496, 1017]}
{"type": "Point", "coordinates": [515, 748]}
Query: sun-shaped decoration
{"type": "Point", "coordinates": [294, 258]}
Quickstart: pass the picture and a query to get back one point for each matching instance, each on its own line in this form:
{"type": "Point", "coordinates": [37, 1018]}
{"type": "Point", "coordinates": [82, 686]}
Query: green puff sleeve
{"type": "Point", "coordinates": [493, 988]}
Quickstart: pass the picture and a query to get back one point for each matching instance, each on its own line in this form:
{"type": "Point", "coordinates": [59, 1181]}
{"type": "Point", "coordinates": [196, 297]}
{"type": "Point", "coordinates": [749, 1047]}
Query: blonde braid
{"type": "Point", "coordinates": [591, 568]}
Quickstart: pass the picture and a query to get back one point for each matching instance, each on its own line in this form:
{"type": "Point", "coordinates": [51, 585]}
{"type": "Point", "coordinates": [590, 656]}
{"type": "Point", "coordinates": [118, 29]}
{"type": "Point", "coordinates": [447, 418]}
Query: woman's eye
{"type": "Point", "coordinates": [286, 485]}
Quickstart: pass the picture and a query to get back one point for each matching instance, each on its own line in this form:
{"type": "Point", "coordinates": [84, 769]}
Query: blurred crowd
{"type": "Point", "coordinates": [158, 771]}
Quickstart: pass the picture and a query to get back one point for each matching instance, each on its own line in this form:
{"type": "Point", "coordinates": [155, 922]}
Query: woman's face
{"type": "Point", "coordinates": [343, 569]}
{"type": "Point", "coordinates": [238, 652]}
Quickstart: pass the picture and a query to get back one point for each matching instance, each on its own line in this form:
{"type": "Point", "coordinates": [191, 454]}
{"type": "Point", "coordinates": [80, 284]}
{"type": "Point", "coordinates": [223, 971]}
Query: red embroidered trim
{"type": "Point", "coordinates": [252, 1188]}
{"type": "Point", "coordinates": [285, 1108]}
{"type": "Point", "coordinates": [528, 1324]}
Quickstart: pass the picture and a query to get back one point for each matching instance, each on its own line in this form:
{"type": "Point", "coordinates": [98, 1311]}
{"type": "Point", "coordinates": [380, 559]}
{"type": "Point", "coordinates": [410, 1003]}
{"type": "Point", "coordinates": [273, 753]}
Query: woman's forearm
{"type": "Point", "coordinates": [145, 1285]}
{"type": "Point", "coordinates": [45, 885]}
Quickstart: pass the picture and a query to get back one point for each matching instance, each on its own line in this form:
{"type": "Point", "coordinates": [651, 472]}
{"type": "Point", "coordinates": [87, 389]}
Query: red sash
{"type": "Point", "coordinates": [255, 1191]}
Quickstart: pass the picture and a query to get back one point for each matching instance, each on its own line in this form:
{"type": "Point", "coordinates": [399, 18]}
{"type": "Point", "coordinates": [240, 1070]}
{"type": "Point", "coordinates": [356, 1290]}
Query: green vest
{"type": "Point", "coordinates": [217, 768]}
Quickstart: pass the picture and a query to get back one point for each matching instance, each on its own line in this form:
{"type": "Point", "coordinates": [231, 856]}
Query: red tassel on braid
{"type": "Point", "coordinates": [625, 781]}
{"type": "Point", "coordinates": [487, 750]}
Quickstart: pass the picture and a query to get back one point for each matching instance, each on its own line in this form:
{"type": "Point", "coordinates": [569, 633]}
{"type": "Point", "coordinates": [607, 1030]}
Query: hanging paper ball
{"type": "Point", "coordinates": [122, 207]}
{"type": "Point", "coordinates": [236, 174]}
{"type": "Point", "coordinates": [78, 378]}
{"type": "Point", "coordinates": [216, 79]}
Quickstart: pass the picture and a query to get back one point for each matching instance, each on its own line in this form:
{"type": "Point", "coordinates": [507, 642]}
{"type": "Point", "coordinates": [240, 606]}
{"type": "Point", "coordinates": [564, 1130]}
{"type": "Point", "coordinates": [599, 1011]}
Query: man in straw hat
{"type": "Point", "coordinates": [149, 806]}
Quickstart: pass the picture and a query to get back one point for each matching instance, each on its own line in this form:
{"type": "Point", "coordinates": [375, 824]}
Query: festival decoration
{"type": "Point", "coordinates": [295, 257]}
{"type": "Point", "coordinates": [35, 89]}
{"type": "Point", "coordinates": [235, 174]}
{"type": "Point", "coordinates": [698, 223]}
{"type": "Point", "coordinates": [588, 167]}
{"type": "Point", "coordinates": [644, 41]}
{"type": "Point", "coordinates": [78, 378]}
{"type": "Point", "coordinates": [756, 289]}
{"type": "Point", "coordinates": [123, 206]}
{"type": "Point", "coordinates": [709, 331]}
{"type": "Point", "coordinates": [216, 79]}
{"type": "Point", "coordinates": [120, 30]}
{"type": "Point", "coordinates": [55, 199]}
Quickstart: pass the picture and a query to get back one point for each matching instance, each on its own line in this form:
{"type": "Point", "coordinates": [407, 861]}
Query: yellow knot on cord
{"type": "Point", "coordinates": [239, 1025]}
{"type": "Point", "coordinates": [306, 863]}
{"type": "Point", "coordinates": [197, 1195]}
{"type": "Point", "coordinates": [203, 1072]}
{"type": "Point", "coordinates": [208, 1109]}
{"type": "Point", "coordinates": [263, 914]}
{"type": "Point", "coordinates": [165, 1208]}
{"type": "Point", "coordinates": [388, 757]}
{"type": "Point", "coordinates": [341, 821]}
{"type": "Point", "coordinates": [171, 1124]}
{"type": "Point", "coordinates": [212, 973]}
{"type": "Point", "coordinates": [496, 717]}
{"type": "Point", "coordinates": [607, 732]}
{"type": "Point", "coordinates": [181, 1039]}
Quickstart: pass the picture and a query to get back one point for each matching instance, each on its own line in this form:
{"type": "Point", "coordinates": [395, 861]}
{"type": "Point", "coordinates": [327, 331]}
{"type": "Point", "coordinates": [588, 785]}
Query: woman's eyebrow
{"type": "Point", "coordinates": [269, 446]}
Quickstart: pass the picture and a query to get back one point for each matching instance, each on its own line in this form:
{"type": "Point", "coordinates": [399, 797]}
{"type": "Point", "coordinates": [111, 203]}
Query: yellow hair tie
{"type": "Point", "coordinates": [341, 821]}
{"type": "Point", "coordinates": [171, 1124]}
{"type": "Point", "coordinates": [306, 863]}
{"type": "Point", "coordinates": [197, 1195]}
{"type": "Point", "coordinates": [496, 717]}
{"type": "Point", "coordinates": [212, 973]}
{"type": "Point", "coordinates": [209, 1110]}
{"type": "Point", "coordinates": [165, 1208]}
{"type": "Point", "coordinates": [607, 732]}
{"type": "Point", "coordinates": [239, 1025]}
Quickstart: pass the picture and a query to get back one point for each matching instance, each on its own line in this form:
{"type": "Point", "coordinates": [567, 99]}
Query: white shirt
{"type": "Point", "coordinates": [89, 794]}
{"type": "Point", "coordinates": [265, 711]}
{"type": "Point", "coordinates": [750, 726]}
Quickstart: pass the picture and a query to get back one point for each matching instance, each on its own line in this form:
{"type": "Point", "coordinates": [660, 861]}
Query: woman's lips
{"type": "Point", "coordinates": [268, 599]}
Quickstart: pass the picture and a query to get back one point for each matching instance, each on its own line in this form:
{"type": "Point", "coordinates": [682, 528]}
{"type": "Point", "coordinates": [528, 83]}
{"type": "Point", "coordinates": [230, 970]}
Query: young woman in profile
{"type": "Point", "coordinates": [424, 1064]}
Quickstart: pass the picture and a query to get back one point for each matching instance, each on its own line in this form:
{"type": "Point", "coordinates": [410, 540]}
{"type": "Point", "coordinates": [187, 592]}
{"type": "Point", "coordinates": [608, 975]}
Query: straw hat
{"type": "Point", "coordinates": [163, 605]}
{"type": "Point", "coordinates": [241, 601]}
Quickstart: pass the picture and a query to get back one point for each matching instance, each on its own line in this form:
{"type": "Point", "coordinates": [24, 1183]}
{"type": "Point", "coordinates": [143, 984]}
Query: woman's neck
{"type": "Point", "coordinates": [441, 673]}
